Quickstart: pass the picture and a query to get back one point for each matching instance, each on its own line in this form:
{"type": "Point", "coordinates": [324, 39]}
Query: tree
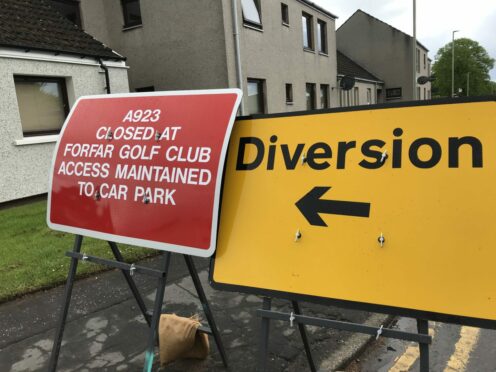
{"type": "Point", "coordinates": [472, 62]}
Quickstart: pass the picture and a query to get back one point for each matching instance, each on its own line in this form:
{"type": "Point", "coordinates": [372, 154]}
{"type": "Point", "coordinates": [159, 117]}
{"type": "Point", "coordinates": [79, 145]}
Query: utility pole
{"type": "Point", "coordinates": [453, 64]}
{"type": "Point", "coordinates": [468, 83]}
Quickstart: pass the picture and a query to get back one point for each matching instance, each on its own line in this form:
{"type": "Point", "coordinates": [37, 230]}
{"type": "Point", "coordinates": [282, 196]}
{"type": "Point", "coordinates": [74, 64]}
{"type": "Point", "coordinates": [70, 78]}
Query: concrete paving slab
{"type": "Point", "coordinates": [106, 332]}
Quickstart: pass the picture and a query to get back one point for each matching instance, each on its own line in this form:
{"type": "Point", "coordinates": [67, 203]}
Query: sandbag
{"type": "Point", "coordinates": [179, 338]}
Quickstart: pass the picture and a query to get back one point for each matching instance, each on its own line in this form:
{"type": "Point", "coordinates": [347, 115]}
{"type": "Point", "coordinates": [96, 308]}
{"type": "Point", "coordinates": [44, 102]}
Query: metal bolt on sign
{"type": "Point", "coordinates": [381, 239]}
{"type": "Point", "coordinates": [297, 235]}
{"type": "Point", "coordinates": [384, 156]}
{"type": "Point", "coordinates": [109, 135]}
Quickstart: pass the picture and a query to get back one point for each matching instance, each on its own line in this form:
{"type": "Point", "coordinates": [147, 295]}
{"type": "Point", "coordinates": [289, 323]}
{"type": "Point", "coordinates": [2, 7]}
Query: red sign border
{"type": "Point", "coordinates": [143, 242]}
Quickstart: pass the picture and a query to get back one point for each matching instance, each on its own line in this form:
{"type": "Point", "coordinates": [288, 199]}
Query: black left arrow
{"type": "Point", "coordinates": [311, 205]}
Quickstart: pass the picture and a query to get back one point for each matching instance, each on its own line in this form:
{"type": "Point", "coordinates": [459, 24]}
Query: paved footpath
{"type": "Point", "coordinates": [106, 332]}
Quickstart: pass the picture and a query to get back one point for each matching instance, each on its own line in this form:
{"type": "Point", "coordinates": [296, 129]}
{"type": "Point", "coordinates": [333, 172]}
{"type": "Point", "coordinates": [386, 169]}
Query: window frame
{"type": "Point", "coordinates": [312, 93]}
{"type": "Point", "coordinates": [285, 14]}
{"type": "Point", "coordinates": [417, 60]}
{"type": "Point", "coordinates": [289, 94]}
{"type": "Point", "coordinates": [251, 23]}
{"type": "Point", "coordinates": [322, 37]}
{"type": "Point", "coordinates": [261, 93]}
{"type": "Point", "coordinates": [308, 19]}
{"type": "Point", "coordinates": [356, 96]}
{"type": "Point", "coordinates": [327, 103]}
{"type": "Point", "coordinates": [65, 100]}
{"type": "Point", "coordinates": [369, 96]}
{"type": "Point", "coordinates": [125, 14]}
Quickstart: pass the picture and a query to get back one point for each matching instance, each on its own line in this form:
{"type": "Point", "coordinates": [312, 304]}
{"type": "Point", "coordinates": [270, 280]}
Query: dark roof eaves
{"type": "Point", "coordinates": [59, 51]}
{"type": "Point", "coordinates": [318, 8]}
{"type": "Point", "coordinates": [363, 79]}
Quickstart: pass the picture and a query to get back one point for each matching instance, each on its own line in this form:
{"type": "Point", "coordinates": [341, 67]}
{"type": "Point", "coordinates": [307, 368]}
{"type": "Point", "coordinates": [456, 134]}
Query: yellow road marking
{"type": "Point", "coordinates": [466, 343]}
{"type": "Point", "coordinates": [404, 362]}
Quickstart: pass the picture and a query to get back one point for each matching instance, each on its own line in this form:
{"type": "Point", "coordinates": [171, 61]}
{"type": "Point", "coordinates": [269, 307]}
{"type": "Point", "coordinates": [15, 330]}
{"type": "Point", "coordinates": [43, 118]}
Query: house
{"type": "Point", "coordinates": [386, 52]}
{"type": "Point", "coordinates": [366, 86]}
{"type": "Point", "coordinates": [282, 54]}
{"type": "Point", "coordinates": [46, 63]}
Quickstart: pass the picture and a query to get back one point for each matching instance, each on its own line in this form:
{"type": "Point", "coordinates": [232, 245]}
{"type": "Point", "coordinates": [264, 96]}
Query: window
{"type": "Point", "coordinates": [310, 96]}
{"type": "Point", "coordinates": [425, 93]}
{"type": "Point", "coordinates": [132, 12]}
{"type": "Point", "coordinates": [369, 96]}
{"type": "Point", "coordinates": [344, 98]}
{"type": "Point", "coordinates": [324, 95]}
{"type": "Point", "coordinates": [256, 99]}
{"type": "Point", "coordinates": [289, 93]}
{"type": "Point", "coordinates": [307, 23]}
{"type": "Point", "coordinates": [417, 60]}
{"type": "Point", "coordinates": [322, 36]}
{"type": "Point", "coordinates": [425, 61]}
{"type": "Point", "coordinates": [284, 14]}
{"type": "Point", "coordinates": [150, 88]}
{"type": "Point", "coordinates": [394, 93]}
{"type": "Point", "coordinates": [43, 104]}
{"type": "Point", "coordinates": [251, 13]}
{"type": "Point", "coordinates": [69, 9]}
{"type": "Point", "coordinates": [356, 98]}
{"type": "Point", "coordinates": [418, 92]}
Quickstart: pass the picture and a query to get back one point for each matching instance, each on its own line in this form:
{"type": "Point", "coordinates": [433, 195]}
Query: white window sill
{"type": "Point", "coordinates": [128, 28]}
{"type": "Point", "coordinates": [36, 140]}
{"type": "Point", "coordinates": [259, 29]}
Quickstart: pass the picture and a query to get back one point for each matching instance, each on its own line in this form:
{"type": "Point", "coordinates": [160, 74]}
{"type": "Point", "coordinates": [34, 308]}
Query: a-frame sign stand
{"type": "Point", "coordinates": [422, 337]}
{"type": "Point", "coordinates": [151, 317]}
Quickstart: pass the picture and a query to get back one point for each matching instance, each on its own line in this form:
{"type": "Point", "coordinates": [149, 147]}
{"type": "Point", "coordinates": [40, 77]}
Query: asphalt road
{"type": "Point", "coordinates": [454, 349]}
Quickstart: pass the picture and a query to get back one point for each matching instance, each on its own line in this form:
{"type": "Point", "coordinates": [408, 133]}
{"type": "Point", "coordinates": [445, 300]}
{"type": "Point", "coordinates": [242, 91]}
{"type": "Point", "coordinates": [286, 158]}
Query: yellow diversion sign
{"type": "Point", "coordinates": [390, 209]}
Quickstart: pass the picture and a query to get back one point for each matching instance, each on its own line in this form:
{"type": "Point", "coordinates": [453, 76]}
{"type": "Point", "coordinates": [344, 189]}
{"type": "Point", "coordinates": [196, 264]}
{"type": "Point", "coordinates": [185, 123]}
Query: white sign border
{"type": "Point", "coordinates": [198, 252]}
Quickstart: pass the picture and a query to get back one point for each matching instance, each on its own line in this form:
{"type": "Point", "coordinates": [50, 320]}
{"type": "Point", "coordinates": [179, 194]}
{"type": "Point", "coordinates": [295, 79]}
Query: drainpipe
{"type": "Point", "coordinates": [107, 76]}
{"type": "Point", "coordinates": [237, 52]}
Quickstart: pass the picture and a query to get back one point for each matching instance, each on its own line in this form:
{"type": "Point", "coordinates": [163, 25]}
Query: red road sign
{"type": "Point", "coordinates": [143, 169]}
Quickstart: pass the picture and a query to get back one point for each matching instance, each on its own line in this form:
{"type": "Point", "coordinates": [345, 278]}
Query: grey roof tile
{"type": "Point", "coordinates": [36, 25]}
{"type": "Point", "coordinates": [346, 66]}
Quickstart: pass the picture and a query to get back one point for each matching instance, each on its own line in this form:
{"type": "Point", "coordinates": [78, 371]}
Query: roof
{"type": "Point", "coordinates": [318, 8]}
{"type": "Point", "coordinates": [387, 24]}
{"type": "Point", "coordinates": [346, 66]}
{"type": "Point", "coordinates": [36, 25]}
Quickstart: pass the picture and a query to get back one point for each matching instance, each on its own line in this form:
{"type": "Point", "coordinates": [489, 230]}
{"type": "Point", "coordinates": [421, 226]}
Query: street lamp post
{"type": "Point", "coordinates": [414, 49]}
{"type": "Point", "coordinates": [453, 64]}
{"type": "Point", "coordinates": [468, 83]}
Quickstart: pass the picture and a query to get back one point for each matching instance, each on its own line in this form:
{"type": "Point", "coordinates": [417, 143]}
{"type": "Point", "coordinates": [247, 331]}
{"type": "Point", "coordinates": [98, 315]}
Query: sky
{"type": "Point", "coordinates": [436, 19]}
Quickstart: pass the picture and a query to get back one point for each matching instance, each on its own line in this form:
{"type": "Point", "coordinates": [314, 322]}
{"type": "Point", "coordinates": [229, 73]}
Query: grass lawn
{"type": "Point", "coordinates": [33, 257]}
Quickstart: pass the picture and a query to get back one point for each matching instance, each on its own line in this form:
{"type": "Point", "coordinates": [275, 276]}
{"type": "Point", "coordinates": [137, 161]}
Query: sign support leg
{"type": "Point", "coordinates": [206, 307]}
{"type": "Point", "coordinates": [304, 337]}
{"type": "Point", "coordinates": [157, 310]}
{"type": "Point", "coordinates": [423, 328]}
{"type": "Point", "coordinates": [131, 283]}
{"type": "Point", "coordinates": [54, 357]}
{"type": "Point", "coordinates": [264, 337]}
